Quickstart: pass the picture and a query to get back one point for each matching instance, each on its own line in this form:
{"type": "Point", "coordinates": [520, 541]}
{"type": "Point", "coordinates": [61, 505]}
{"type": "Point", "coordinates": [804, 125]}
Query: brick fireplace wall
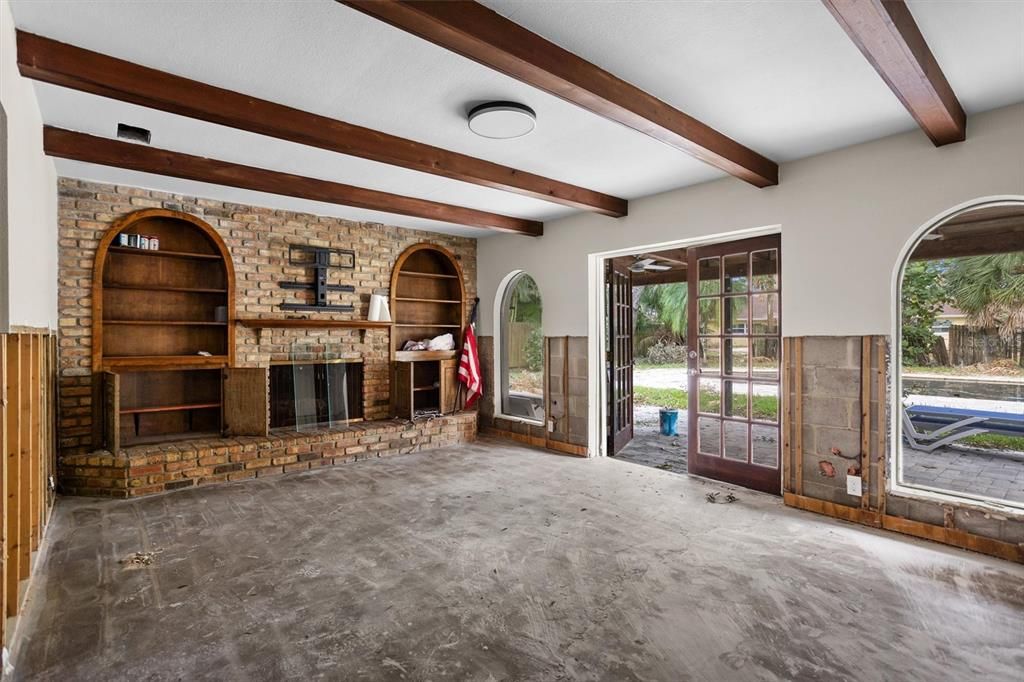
{"type": "Point", "coordinates": [258, 239]}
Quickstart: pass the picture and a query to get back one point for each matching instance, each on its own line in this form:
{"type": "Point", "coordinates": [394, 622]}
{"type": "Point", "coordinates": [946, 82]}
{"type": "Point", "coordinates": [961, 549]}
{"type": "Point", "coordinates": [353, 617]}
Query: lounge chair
{"type": "Point", "coordinates": [952, 424]}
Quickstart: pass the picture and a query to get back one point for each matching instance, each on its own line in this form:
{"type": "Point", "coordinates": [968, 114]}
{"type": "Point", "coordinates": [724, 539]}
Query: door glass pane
{"type": "Point", "coordinates": [765, 406]}
{"type": "Point", "coordinates": [736, 273]}
{"type": "Point", "coordinates": [710, 355]}
{"type": "Point", "coordinates": [736, 441]}
{"type": "Point", "coordinates": [765, 270]}
{"type": "Point", "coordinates": [709, 272]}
{"type": "Point", "coordinates": [764, 358]}
{"type": "Point", "coordinates": [709, 436]}
{"type": "Point", "coordinates": [708, 316]}
{"type": "Point", "coordinates": [736, 315]}
{"type": "Point", "coordinates": [764, 313]}
{"type": "Point", "coordinates": [709, 396]}
{"type": "Point", "coordinates": [764, 445]}
{"type": "Point", "coordinates": [736, 356]}
{"type": "Point", "coordinates": [734, 401]}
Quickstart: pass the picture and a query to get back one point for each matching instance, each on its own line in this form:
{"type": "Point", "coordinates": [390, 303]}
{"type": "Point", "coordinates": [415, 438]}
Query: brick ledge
{"type": "Point", "coordinates": [148, 469]}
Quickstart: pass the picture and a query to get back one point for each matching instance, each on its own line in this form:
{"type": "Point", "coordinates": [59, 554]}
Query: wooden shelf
{"type": "Point", "coordinates": [307, 323]}
{"type": "Point", "coordinates": [427, 388]}
{"type": "Point", "coordinates": [164, 254]}
{"type": "Point", "coordinates": [166, 323]}
{"type": "Point", "coordinates": [427, 300]}
{"type": "Point", "coordinates": [431, 275]}
{"type": "Point", "coordinates": [169, 408]}
{"type": "Point", "coordinates": [190, 361]}
{"type": "Point", "coordinates": [423, 355]}
{"type": "Point", "coordinates": [427, 325]}
{"type": "Point", "coordinates": [157, 287]}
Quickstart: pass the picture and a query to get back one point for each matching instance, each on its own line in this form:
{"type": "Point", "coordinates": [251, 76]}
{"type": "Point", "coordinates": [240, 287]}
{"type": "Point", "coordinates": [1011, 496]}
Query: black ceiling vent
{"type": "Point", "coordinates": [133, 133]}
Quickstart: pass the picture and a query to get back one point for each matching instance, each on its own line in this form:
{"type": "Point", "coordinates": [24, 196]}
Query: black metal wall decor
{"type": "Point", "coordinates": [321, 260]}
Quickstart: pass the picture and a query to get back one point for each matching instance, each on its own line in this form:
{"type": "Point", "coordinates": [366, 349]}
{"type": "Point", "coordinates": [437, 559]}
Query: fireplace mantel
{"type": "Point", "coordinates": [310, 323]}
{"type": "Point", "coordinates": [261, 323]}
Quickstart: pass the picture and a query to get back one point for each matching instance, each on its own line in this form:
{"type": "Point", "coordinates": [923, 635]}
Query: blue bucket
{"type": "Point", "coordinates": [668, 422]}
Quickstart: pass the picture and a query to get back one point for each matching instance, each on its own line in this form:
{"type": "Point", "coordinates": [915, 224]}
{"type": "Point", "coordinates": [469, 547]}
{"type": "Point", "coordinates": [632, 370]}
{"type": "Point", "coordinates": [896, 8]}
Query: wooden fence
{"type": "Point", "coordinates": [970, 346]}
{"type": "Point", "coordinates": [27, 433]}
{"type": "Point", "coordinates": [518, 336]}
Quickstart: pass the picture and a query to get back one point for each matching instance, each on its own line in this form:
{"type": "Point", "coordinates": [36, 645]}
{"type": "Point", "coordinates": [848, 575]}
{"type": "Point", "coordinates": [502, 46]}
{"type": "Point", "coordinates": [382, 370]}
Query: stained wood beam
{"type": "Point", "coordinates": [72, 67]}
{"type": "Point", "coordinates": [67, 144]}
{"type": "Point", "coordinates": [980, 245]}
{"type": "Point", "coordinates": [886, 33]}
{"type": "Point", "coordinates": [481, 34]}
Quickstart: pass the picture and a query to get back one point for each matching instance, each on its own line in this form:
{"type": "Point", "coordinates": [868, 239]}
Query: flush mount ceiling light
{"type": "Point", "coordinates": [502, 120]}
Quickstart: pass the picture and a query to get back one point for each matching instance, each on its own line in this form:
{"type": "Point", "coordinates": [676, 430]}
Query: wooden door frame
{"type": "Point", "coordinates": [597, 325]}
{"type": "Point", "coordinates": [768, 480]}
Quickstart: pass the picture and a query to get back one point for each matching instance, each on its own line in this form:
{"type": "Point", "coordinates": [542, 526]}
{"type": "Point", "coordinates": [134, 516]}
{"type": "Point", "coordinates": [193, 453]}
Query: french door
{"type": "Point", "coordinates": [734, 346]}
{"type": "Point", "coordinates": [619, 286]}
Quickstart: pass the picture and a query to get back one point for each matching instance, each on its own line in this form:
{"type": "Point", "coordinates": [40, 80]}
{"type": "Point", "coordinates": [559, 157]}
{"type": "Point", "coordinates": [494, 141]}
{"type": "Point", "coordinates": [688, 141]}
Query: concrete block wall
{"type": "Point", "coordinates": [567, 388]}
{"type": "Point", "coordinates": [830, 371]}
{"type": "Point", "coordinates": [258, 239]}
{"type": "Point", "coordinates": [831, 418]}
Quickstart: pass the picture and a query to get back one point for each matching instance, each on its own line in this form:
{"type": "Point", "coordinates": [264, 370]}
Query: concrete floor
{"type": "Point", "coordinates": [495, 562]}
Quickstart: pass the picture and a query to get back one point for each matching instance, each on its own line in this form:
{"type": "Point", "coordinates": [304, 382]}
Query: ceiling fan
{"type": "Point", "coordinates": [648, 265]}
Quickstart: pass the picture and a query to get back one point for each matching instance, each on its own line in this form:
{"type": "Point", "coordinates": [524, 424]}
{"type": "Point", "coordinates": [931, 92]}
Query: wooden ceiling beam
{"type": "Point", "coordinates": [675, 276]}
{"type": "Point", "coordinates": [886, 33]}
{"type": "Point", "coordinates": [67, 144]}
{"type": "Point", "coordinates": [50, 61]}
{"type": "Point", "coordinates": [481, 34]}
{"type": "Point", "coordinates": [973, 245]}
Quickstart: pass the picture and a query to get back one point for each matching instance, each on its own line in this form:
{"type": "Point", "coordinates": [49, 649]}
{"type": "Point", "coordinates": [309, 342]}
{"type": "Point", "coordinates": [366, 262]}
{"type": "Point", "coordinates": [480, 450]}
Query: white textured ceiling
{"type": "Point", "coordinates": [780, 77]}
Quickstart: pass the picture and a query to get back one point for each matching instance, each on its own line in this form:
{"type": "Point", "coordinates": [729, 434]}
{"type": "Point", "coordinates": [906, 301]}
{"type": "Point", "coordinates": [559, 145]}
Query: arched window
{"type": "Point", "coordinates": [520, 350]}
{"type": "Point", "coordinates": [960, 357]}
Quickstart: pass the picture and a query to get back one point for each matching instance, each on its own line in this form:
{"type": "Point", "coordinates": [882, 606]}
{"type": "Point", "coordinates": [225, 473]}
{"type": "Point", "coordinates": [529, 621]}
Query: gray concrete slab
{"type": "Point", "coordinates": [496, 562]}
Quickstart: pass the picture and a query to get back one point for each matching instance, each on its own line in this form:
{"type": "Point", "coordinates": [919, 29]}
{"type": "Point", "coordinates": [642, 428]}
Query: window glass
{"type": "Point", "coordinates": [961, 357]}
{"type": "Point", "coordinates": [522, 350]}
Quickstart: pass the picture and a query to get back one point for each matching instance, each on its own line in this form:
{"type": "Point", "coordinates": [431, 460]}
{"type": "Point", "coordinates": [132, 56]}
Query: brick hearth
{"type": "Point", "coordinates": [147, 469]}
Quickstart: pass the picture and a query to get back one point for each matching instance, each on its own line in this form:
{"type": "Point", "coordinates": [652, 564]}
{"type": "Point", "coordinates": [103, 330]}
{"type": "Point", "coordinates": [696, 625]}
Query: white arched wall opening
{"type": "Point", "coordinates": [896, 356]}
{"type": "Point", "coordinates": [498, 324]}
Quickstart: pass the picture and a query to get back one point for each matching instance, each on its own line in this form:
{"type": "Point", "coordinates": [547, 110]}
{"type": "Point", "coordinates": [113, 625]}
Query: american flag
{"type": "Point", "coordinates": [469, 363]}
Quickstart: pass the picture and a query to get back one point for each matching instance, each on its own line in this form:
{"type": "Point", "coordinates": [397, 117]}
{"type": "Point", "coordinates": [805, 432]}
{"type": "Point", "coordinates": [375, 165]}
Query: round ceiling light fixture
{"type": "Point", "coordinates": [502, 120]}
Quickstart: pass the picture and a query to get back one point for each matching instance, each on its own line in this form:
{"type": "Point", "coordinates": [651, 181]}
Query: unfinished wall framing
{"type": "Point", "coordinates": [837, 426]}
{"type": "Point", "coordinates": [28, 363]}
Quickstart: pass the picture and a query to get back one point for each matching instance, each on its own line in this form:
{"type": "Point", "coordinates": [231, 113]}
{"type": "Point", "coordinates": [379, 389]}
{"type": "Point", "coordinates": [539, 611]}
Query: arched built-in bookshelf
{"type": "Point", "coordinates": [163, 323]}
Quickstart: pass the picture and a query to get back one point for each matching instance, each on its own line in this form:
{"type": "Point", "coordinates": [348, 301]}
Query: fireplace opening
{"type": "Point", "coordinates": [315, 394]}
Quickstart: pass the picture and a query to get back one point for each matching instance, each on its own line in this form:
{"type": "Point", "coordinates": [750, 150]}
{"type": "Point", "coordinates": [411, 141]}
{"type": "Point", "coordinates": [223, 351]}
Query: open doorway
{"type": "Point", "coordinates": [694, 345]}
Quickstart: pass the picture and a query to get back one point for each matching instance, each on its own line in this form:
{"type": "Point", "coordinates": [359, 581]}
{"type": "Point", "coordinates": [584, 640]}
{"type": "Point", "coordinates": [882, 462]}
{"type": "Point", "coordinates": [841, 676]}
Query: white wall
{"type": "Point", "coordinates": [844, 217]}
{"type": "Point", "coordinates": [29, 225]}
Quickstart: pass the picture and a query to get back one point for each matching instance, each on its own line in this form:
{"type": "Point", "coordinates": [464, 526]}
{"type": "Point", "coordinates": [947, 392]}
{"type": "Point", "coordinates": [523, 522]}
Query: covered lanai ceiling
{"type": "Point", "coordinates": [782, 78]}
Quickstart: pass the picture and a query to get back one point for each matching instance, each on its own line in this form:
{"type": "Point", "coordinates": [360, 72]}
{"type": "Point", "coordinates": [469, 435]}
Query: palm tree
{"type": "Point", "coordinates": [990, 289]}
{"type": "Point", "coordinates": [668, 304]}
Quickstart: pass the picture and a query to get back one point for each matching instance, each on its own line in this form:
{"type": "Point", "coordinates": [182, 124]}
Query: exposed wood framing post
{"type": "Point", "coordinates": [883, 455]}
{"type": "Point", "coordinates": [798, 401]}
{"type": "Point", "coordinates": [865, 421]}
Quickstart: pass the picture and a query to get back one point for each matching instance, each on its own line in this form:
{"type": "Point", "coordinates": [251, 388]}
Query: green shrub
{"type": "Point", "coordinates": [535, 350]}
